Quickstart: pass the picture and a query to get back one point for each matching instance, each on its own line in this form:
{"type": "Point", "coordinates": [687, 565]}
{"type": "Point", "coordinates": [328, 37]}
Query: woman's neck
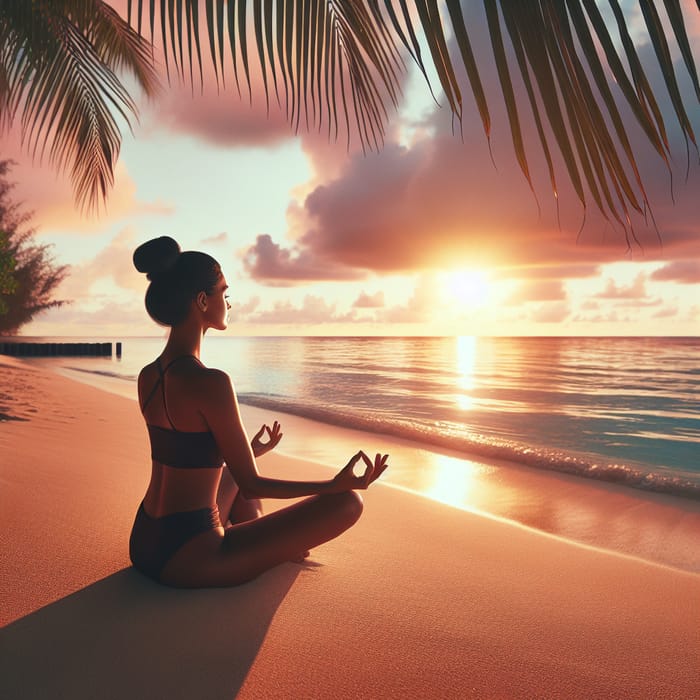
{"type": "Point", "coordinates": [183, 340]}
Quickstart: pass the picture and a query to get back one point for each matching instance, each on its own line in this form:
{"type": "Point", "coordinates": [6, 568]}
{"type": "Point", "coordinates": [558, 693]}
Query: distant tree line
{"type": "Point", "coordinates": [28, 273]}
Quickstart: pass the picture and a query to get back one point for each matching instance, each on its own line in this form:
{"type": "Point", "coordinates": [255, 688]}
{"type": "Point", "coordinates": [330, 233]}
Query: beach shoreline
{"type": "Point", "coordinates": [417, 600]}
{"type": "Point", "coordinates": [655, 527]}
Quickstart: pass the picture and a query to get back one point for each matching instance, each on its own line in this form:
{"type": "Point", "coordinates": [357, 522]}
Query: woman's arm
{"type": "Point", "coordinates": [219, 407]}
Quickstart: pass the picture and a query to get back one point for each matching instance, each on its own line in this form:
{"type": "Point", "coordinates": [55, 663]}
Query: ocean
{"type": "Point", "coordinates": [596, 440]}
{"type": "Point", "coordinates": [623, 410]}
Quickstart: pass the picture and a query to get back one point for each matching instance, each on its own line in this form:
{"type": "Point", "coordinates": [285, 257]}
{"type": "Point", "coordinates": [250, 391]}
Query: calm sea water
{"type": "Point", "coordinates": [618, 409]}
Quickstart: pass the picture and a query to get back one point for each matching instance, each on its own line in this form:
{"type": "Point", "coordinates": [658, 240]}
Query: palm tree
{"type": "Point", "coordinates": [339, 63]}
{"type": "Point", "coordinates": [60, 65]}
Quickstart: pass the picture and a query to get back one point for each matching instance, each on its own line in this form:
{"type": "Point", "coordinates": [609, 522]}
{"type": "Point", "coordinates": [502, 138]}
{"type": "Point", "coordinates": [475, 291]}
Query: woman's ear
{"type": "Point", "coordinates": [202, 301]}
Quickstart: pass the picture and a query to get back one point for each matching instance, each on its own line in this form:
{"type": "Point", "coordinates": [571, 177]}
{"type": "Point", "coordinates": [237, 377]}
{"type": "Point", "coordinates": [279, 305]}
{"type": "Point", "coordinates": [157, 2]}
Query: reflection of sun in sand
{"type": "Point", "coordinates": [468, 288]}
{"type": "Point", "coordinates": [457, 482]}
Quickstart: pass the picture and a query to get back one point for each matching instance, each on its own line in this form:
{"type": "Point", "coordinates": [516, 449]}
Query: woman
{"type": "Point", "coordinates": [195, 429]}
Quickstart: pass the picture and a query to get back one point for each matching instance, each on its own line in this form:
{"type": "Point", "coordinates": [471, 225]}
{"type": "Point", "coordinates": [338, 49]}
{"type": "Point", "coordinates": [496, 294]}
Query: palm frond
{"type": "Point", "coordinates": [339, 64]}
{"type": "Point", "coordinates": [59, 67]}
{"type": "Point", "coordinates": [345, 55]}
{"type": "Point", "coordinates": [315, 57]}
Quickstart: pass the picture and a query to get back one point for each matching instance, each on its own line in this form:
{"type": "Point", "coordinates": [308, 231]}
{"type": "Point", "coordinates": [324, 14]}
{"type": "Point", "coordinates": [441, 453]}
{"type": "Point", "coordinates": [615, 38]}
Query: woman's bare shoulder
{"type": "Point", "coordinates": [214, 384]}
{"type": "Point", "coordinates": [145, 373]}
{"type": "Point", "coordinates": [146, 370]}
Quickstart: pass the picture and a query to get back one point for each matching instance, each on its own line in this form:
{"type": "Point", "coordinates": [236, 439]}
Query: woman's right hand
{"type": "Point", "coordinates": [345, 479]}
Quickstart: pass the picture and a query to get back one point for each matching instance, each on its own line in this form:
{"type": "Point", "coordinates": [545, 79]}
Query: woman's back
{"type": "Point", "coordinates": [186, 459]}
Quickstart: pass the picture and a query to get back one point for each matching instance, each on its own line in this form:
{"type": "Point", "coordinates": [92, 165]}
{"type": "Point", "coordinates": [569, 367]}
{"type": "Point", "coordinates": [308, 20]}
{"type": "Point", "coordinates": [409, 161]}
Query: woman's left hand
{"type": "Point", "coordinates": [274, 435]}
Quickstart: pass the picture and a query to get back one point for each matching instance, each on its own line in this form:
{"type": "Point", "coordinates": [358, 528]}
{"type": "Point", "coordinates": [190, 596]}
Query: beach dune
{"type": "Point", "coordinates": [418, 600]}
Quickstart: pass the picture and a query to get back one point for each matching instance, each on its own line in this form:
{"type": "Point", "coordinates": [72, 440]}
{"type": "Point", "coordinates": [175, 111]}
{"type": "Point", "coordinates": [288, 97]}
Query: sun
{"type": "Point", "coordinates": [466, 287]}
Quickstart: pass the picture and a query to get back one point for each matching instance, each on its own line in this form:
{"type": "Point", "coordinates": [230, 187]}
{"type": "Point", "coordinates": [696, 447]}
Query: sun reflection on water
{"type": "Point", "coordinates": [465, 366]}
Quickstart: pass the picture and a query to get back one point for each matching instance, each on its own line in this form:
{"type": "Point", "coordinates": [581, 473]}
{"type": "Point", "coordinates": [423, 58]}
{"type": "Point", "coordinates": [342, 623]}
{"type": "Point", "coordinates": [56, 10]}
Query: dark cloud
{"type": "Point", "coordinates": [269, 263]}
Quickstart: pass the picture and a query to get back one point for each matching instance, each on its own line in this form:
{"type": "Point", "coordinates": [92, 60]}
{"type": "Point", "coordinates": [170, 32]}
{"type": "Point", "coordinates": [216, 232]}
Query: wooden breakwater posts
{"type": "Point", "coordinates": [21, 349]}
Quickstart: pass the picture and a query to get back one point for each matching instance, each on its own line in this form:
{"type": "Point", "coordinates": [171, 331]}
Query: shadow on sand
{"type": "Point", "coordinates": [127, 637]}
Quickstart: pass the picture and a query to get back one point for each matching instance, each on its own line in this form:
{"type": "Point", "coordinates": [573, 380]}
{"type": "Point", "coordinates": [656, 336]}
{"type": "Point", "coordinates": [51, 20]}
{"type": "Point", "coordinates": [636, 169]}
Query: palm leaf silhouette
{"type": "Point", "coordinates": [337, 64]}
{"type": "Point", "coordinates": [59, 74]}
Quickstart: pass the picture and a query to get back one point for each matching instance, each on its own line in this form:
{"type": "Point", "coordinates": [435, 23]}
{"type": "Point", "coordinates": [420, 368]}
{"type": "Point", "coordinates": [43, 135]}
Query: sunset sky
{"type": "Point", "coordinates": [425, 237]}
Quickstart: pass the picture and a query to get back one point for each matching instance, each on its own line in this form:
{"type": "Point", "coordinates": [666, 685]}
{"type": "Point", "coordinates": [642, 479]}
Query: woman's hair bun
{"type": "Point", "coordinates": [156, 256]}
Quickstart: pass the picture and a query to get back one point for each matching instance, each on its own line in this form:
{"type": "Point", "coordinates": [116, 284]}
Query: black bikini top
{"type": "Point", "coordinates": [176, 448]}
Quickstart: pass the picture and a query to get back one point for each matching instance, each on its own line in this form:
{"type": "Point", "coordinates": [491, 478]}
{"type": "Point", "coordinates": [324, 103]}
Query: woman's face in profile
{"type": "Point", "coordinates": [218, 307]}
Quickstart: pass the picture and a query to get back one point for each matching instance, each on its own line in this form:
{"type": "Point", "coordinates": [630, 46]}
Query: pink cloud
{"type": "Point", "coordinates": [437, 203]}
{"type": "Point", "coordinates": [222, 119]}
{"type": "Point", "coordinates": [551, 313]}
{"type": "Point", "coordinates": [216, 239]}
{"type": "Point", "coordinates": [638, 303]}
{"type": "Point", "coordinates": [313, 310]}
{"type": "Point", "coordinates": [110, 318]}
{"type": "Point", "coordinates": [271, 264]}
{"type": "Point", "coordinates": [668, 312]}
{"type": "Point", "coordinates": [113, 262]}
{"type": "Point", "coordinates": [636, 290]}
{"type": "Point", "coordinates": [419, 308]}
{"type": "Point", "coordinates": [552, 272]}
{"type": "Point", "coordinates": [369, 301]}
{"type": "Point", "coordinates": [682, 271]}
{"type": "Point", "coordinates": [694, 313]}
{"type": "Point", "coordinates": [388, 206]}
{"type": "Point", "coordinates": [242, 310]}
{"type": "Point", "coordinates": [440, 200]}
{"type": "Point", "coordinates": [540, 290]}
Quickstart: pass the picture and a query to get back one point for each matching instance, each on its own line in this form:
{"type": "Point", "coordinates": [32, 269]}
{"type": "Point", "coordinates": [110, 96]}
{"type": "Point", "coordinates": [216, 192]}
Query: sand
{"type": "Point", "coordinates": [418, 600]}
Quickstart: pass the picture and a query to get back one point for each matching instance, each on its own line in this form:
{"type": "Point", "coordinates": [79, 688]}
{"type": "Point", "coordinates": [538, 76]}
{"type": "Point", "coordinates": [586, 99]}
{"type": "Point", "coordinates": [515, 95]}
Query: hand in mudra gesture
{"type": "Point", "coordinates": [274, 435]}
{"type": "Point", "coordinates": [346, 478]}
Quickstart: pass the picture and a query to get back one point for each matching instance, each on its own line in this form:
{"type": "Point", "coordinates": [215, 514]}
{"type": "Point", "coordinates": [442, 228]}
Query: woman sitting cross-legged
{"type": "Point", "coordinates": [199, 523]}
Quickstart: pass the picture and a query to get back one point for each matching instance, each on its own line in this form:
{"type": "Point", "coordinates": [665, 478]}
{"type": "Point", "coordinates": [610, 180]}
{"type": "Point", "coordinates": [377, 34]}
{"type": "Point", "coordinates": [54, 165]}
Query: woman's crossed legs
{"type": "Point", "coordinates": [240, 552]}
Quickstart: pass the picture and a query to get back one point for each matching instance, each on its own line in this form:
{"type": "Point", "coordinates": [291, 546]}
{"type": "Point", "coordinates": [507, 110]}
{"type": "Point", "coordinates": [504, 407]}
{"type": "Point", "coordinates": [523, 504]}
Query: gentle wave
{"type": "Point", "coordinates": [103, 373]}
{"type": "Point", "coordinates": [536, 418]}
{"type": "Point", "coordinates": [449, 437]}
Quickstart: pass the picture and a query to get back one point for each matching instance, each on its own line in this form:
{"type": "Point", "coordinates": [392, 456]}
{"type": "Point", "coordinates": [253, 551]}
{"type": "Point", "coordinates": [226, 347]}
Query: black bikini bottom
{"type": "Point", "coordinates": [154, 541]}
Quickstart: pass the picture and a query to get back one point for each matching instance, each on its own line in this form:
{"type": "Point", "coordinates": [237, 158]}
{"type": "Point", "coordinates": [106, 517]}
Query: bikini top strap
{"type": "Point", "coordinates": [155, 386]}
{"type": "Point", "coordinates": [161, 381]}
